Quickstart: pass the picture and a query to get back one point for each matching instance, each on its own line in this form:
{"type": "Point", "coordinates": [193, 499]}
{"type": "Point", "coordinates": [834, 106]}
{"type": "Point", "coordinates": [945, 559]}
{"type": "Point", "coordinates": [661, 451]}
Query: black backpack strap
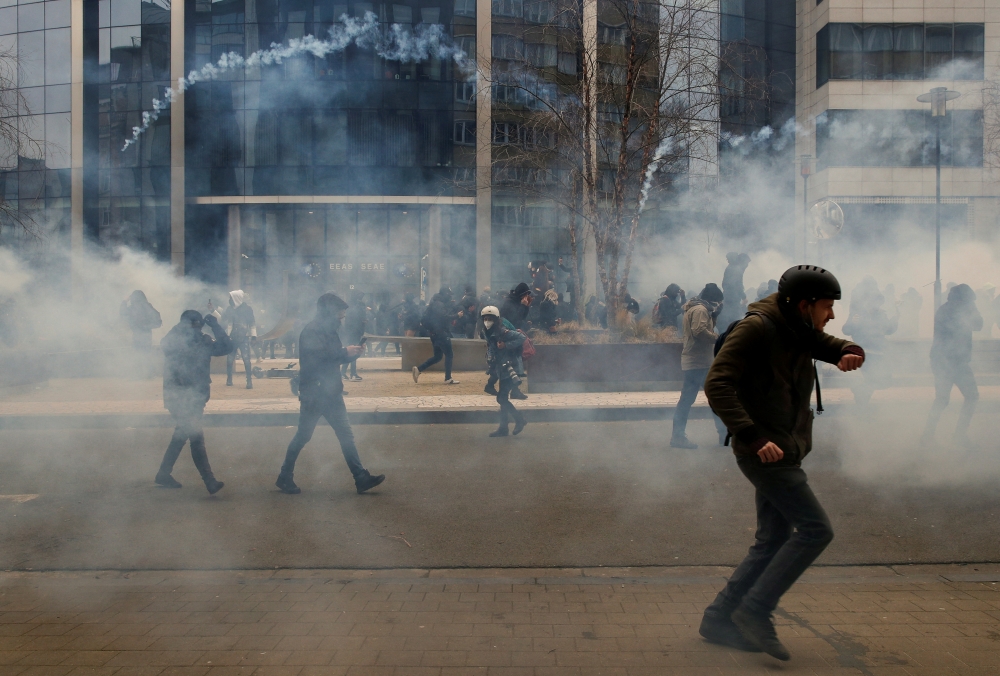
{"type": "Point", "coordinates": [819, 391]}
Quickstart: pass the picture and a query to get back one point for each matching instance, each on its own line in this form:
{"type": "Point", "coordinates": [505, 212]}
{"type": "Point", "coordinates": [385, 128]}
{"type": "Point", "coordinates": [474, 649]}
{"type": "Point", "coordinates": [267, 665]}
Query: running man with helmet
{"type": "Point", "coordinates": [503, 357]}
{"type": "Point", "coordinates": [761, 385]}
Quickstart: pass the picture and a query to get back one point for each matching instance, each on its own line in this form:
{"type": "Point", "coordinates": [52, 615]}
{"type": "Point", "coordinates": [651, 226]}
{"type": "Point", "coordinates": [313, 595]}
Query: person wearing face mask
{"type": "Point", "coordinates": [503, 356]}
{"type": "Point", "coordinates": [700, 315]}
{"type": "Point", "coordinates": [321, 393]}
{"type": "Point", "coordinates": [761, 384]}
{"type": "Point", "coordinates": [187, 365]}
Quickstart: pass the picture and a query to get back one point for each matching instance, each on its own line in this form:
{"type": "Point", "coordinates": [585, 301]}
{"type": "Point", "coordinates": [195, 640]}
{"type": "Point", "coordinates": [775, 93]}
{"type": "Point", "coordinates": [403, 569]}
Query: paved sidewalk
{"type": "Point", "coordinates": [871, 621]}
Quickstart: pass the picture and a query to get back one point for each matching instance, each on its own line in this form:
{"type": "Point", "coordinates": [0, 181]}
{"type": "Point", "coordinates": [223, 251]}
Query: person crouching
{"type": "Point", "coordinates": [503, 356]}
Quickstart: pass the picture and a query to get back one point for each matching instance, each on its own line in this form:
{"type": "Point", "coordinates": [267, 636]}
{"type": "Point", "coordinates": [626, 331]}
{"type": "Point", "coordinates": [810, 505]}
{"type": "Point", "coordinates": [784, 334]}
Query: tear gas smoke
{"type": "Point", "coordinates": [398, 43]}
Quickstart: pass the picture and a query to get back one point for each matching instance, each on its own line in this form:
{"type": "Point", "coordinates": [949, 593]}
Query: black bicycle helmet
{"type": "Point", "coordinates": [808, 282]}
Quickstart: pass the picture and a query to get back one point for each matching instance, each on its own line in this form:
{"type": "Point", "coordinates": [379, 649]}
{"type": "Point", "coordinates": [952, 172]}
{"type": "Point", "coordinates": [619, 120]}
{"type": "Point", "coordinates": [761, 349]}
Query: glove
{"type": "Point", "coordinates": [211, 320]}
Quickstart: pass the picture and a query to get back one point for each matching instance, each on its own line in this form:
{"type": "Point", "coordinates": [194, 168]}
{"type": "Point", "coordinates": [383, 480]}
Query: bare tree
{"type": "Point", "coordinates": [17, 146]}
{"type": "Point", "coordinates": [602, 104]}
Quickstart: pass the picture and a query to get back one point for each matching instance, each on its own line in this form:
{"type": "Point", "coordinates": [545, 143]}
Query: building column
{"type": "Point", "coordinates": [484, 145]}
{"type": "Point", "coordinates": [434, 250]}
{"type": "Point", "coordinates": [76, 142]}
{"type": "Point", "coordinates": [235, 247]}
{"type": "Point", "coordinates": [177, 140]}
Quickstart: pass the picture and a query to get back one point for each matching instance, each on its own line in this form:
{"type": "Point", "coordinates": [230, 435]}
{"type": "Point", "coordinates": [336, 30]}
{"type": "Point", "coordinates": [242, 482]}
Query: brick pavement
{"type": "Point", "coordinates": [872, 621]}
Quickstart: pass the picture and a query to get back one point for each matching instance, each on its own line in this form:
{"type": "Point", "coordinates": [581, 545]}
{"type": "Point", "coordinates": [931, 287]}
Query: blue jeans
{"type": "Point", "coordinates": [333, 409]}
{"type": "Point", "coordinates": [694, 380]}
{"type": "Point", "coordinates": [442, 348]}
{"type": "Point", "coordinates": [792, 530]}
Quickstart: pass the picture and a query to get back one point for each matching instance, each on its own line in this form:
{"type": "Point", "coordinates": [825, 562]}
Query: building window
{"type": "Point", "coordinates": [465, 92]}
{"type": "Point", "coordinates": [897, 138]}
{"type": "Point", "coordinates": [539, 11]}
{"type": "Point", "coordinates": [542, 56]}
{"type": "Point", "coordinates": [465, 8]}
{"type": "Point", "coordinates": [610, 35]}
{"type": "Point", "coordinates": [508, 47]}
{"type": "Point", "coordinates": [512, 8]}
{"type": "Point", "coordinates": [847, 51]}
{"type": "Point", "coordinates": [505, 133]}
{"type": "Point", "coordinates": [567, 63]}
{"type": "Point", "coordinates": [465, 132]}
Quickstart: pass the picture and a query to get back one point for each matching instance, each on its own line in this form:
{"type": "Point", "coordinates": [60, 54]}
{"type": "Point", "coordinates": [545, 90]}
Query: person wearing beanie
{"type": "Point", "coordinates": [698, 326]}
{"type": "Point", "coordinates": [321, 393]}
{"type": "Point", "coordinates": [187, 382]}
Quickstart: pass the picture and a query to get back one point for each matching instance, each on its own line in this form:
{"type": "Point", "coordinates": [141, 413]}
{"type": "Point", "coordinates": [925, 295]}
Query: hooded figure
{"type": "Point", "coordinates": [321, 393]}
{"type": "Point", "coordinates": [142, 318]}
{"type": "Point", "coordinates": [187, 364]}
{"type": "Point", "coordinates": [732, 288]}
{"type": "Point", "coordinates": [670, 308]}
{"type": "Point", "coordinates": [239, 319]}
{"type": "Point", "coordinates": [438, 319]}
{"type": "Point", "coordinates": [951, 354]}
{"type": "Point", "coordinates": [700, 315]}
{"type": "Point", "coordinates": [503, 357]}
{"type": "Point", "coordinates": [516, 306]}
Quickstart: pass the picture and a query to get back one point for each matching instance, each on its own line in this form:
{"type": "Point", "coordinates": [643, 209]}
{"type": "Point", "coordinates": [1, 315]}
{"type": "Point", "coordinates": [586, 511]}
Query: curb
{"type": "Point", "coordinates": [404, 417]}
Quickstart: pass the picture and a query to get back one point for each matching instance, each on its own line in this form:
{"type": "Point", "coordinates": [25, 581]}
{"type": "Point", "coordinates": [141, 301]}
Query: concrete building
{"type": "Point", "coordinates": [867, 141]}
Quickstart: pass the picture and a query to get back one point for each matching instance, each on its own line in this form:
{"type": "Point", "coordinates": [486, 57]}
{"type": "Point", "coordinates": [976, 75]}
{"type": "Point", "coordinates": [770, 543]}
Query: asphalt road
{"type": "Point", "coordinates": [561, 494]}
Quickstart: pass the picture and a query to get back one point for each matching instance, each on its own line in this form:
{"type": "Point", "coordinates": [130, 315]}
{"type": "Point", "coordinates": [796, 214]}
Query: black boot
{"type": "Point", "coordinates": [517, 394]}
{"type": "Point", "coordinates": [249, 383]}
{"type": "Point", "coordinates": [286, 485]}
{"type": "Point", "coordinates": [166, 480]}
{"type": "Point", "coordinates": [519, 423]}
{"type": "Point", "coordinates": [213, 485]}
{"type": "Point", "coordinates": [500, 431]}
{"type": "Point", "coordinates": [719, 628]}
{"type": "Point", "coordinates": [759, 630]}
{"type": "Point", "coordinates": [490, 389]}
{"type": "Point", "coordinates": [229, 381]}
{"type": "Point", "coordinates": [368, 482]}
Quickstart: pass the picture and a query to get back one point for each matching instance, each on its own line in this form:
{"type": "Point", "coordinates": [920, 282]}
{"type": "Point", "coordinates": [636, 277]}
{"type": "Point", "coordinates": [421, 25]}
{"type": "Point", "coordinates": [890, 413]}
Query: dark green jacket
{"type": "Point", "coordinates": [761, 382]}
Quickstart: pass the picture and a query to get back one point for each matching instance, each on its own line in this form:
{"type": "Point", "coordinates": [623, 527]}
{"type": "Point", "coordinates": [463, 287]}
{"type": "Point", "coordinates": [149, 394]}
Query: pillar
{"type": "Point", "coordinates": [484, 146]}
{"type": "Point", "coordinates": [235, 247]}
{"type": "Point", "coordinates": [177, 140]}
{"type": "Point", "coordinates": [76, 142]}
{"type": "Point", "coordinates": [434, 250]}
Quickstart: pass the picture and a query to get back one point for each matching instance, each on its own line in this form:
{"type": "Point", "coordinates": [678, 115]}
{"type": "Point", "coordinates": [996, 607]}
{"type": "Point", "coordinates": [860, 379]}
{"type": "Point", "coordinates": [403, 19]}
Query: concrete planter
{"type": "Point", "coordinates": [470, 354]}
{"type": "Point", "coordinates": [615, 367]}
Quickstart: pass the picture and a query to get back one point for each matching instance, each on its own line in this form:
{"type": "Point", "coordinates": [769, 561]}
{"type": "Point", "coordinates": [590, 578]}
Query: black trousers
{"type": "Point", "coordinates": [947, 375]}
{"type": "Point", "coordinates": [442, 348]}
{"type": "Point", "coordinates": [243, 347]}
{"type": "Point", "coordinates": [333, 409]}
{"type": "Point", "coordinates": [507, 410]}
{"type": "Point", "coordinates": [187, 427]}
{"type": "Point", "coordinates": [792, 530]}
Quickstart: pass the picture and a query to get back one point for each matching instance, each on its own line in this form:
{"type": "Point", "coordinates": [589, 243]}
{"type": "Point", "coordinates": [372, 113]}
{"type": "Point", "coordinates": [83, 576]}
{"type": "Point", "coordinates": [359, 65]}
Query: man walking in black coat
{"type": "Point", "coordinates": [437, 322]}
{"type": "Point", "coordinates": [187, 363]}
{"type": "Point", "coordinates": [321, 393]}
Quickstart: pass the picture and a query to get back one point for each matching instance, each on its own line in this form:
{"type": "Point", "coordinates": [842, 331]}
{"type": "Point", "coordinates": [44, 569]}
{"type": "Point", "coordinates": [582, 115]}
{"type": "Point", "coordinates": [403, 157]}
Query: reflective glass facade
{"type": "Point", "coordinates": [35, 177]}
{"type": "Point", "coordinates": [133, 187]}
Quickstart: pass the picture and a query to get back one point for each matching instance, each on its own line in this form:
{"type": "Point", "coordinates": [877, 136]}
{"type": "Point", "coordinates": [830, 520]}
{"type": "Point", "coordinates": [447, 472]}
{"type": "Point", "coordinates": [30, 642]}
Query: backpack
{"type": "Point", "coordinates": [771, 332]}
{"type": "Point", "coordinates": [527, 349]}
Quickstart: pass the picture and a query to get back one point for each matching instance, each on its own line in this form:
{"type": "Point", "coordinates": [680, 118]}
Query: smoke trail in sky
{"type": "Point", "coordinates": [398, 43]}
{"type": "Point", "coordinates": [665, 145]}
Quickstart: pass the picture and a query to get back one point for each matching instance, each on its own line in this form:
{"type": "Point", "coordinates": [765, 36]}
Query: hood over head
{"type": "Point", "coordinates": [552, 296]}
{"type": "Point", "coordinates": [138, 297]}
{"type": "Point", "coordinates": [520, 291]}
{"type": "Point", "coordinates": [961, 293]}
{"type": "Point", "coordinates": [237, 297]}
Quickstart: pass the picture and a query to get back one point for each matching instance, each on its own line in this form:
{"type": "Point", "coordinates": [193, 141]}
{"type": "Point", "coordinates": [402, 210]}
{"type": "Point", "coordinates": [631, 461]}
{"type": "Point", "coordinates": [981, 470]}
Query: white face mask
{"type": "Point", "coordinates": [488, 323]}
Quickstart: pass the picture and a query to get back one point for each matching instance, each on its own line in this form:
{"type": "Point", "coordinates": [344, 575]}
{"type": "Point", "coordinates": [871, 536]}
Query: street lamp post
{"type": "Point", "coordinates": [805, 169]}
{"type": "Point", "coordinates": [938, 97]}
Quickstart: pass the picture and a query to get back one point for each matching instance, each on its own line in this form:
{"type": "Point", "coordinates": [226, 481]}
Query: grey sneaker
{"type": "Point", "coordinates": [416, 374]}
{"type": "Point", "coordinates": [451, 381]}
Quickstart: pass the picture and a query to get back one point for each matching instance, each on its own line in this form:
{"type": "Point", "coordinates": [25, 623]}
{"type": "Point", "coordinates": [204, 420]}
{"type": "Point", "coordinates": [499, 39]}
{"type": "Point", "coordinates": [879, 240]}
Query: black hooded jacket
{"type": "Point", "coordinates": [320, 355]}
{"type": "Point", "coordinates": [187, 363]}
